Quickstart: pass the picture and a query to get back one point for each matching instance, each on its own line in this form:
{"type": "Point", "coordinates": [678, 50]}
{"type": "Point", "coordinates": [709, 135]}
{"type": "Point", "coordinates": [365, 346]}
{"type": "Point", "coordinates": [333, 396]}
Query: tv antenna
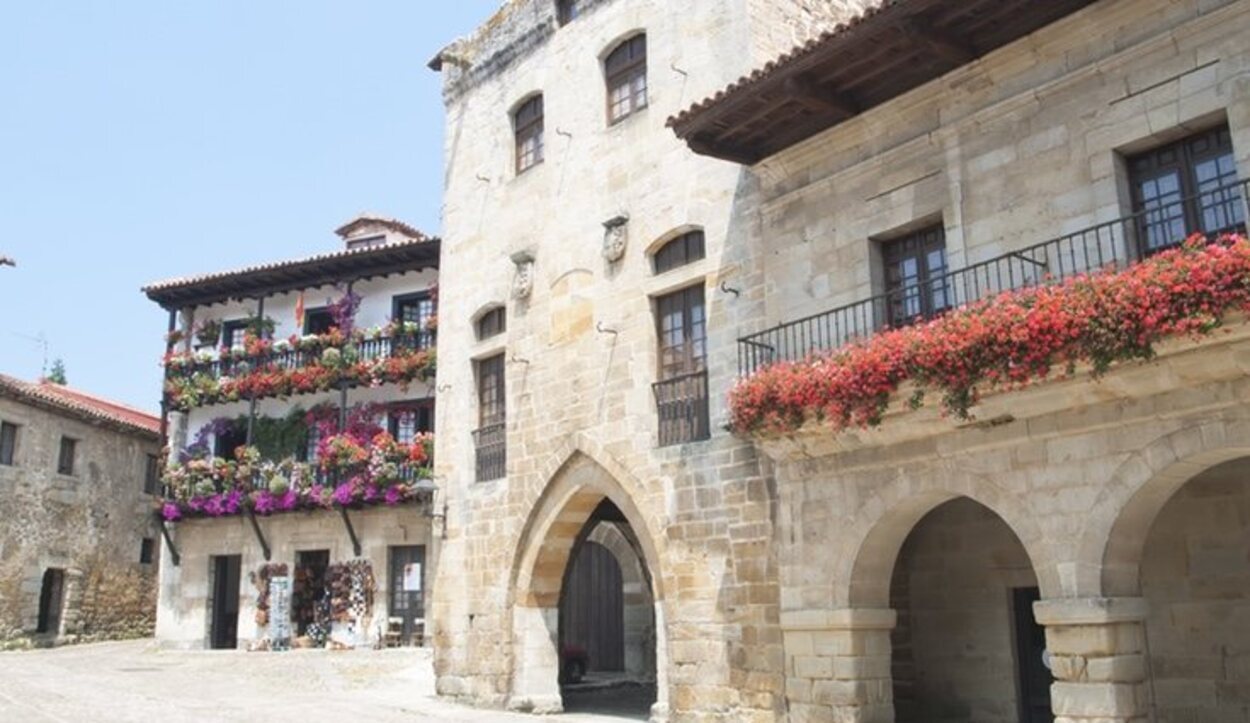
{"type": "Point", "coordinates": [42, 340]}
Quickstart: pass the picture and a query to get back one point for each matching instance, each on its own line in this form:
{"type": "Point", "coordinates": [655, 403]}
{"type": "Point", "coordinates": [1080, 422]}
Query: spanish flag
{"type": "Point", "coordinates": [299, 314]}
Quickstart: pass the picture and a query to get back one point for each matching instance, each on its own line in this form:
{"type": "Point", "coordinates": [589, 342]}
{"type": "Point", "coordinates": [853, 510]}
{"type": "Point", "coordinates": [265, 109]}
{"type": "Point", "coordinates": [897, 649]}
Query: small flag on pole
{"type": "Point", "coordinates": [299, 314]}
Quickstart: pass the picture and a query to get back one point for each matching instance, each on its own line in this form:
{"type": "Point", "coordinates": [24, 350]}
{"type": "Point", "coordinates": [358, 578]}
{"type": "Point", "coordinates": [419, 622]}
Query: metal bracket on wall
{"type": "Point", "coordinates": [351, 531]}
{"type": "Point", "coordinates": [169, 541]}
{"type": "Point", "coordinates": [260, 537]}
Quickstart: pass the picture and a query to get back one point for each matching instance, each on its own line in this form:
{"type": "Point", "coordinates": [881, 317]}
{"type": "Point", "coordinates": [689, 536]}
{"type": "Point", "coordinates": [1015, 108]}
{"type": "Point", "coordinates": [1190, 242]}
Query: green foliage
{"type": "Point", "coordinates": [278, 438]}
{"type": "Point", "coordinates": [57, 375]}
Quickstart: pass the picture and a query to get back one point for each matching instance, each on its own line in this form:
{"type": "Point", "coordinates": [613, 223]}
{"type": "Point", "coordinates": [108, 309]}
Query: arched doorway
{"type": "Point", "coordinates": [966, 647]}
{"type": "Point", "coordinates": [1195, 578]}
{"type": "Point", "coordinates": [586, 601]}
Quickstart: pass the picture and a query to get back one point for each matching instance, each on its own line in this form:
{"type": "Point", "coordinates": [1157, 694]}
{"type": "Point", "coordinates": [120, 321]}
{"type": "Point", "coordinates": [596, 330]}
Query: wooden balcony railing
{"type": "Point", "coordinates": [491, 452]}
{"type": "Point", "coordinates": [681, 404]}
{"type": "Point", "coordinates": [233, 364]}
{"type": "Point", "coordinates": [1113, 244]}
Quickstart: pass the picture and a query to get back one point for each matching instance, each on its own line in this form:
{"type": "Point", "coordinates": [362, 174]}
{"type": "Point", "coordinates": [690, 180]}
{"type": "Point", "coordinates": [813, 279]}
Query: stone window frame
{"type": "Point", "coordinates": [625, 69]}
{"type": "Point", "coordinates": [568, 10]}
{"type": "Point", "coordinates": [8, 450]}
{"type": "Point", "coordinates": [64, 467]}
{"type": "Point", "coordinates": [490, 322]}
{"type": "Point", "coordinates": [151, 474]}
{"type": "Point", "coordinates": [679, 249]}
{"type": "Point", "coordinates": [527, 132]}
{"type": "Point", "coordinates": [147, 551]}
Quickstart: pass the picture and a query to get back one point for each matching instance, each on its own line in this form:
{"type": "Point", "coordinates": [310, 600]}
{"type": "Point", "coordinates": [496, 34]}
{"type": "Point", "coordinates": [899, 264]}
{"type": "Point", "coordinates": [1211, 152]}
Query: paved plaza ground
{"type": "Point", "coordinates": [136, 681]}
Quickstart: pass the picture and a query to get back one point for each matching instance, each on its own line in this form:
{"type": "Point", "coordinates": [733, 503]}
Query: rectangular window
{"type": "Point", "coordinates": [405, 421]}
{"type": "Point", "coordinates": [681, 394]}
{"type": "Point", "coordinates": [568, 10]}
{"type": "Point", "coordinates": [230, 439]}
{"type": "Point", "coordinates": [528, 125]}
{"type": "Point", "coordinates": [233, 333]}
{"type": "Point", "coordinates": [8, 443]}
{"type": "Point", "coordinates": [489, 440]}
{"type": "Point", "coordinates": [152, 475]}
{"type": "Point", "coordinates": [915, 276]}
{"type": "Point", "coordinates": [418, 309]}
{"type": "Point", "coordinates": [65, 461]}
{"type": "Point", "coordinates": [1185, 187]}
{"type": "Point", "coordinates": [626, 72]}
{"type": "Point", "coordinates": [147, 550]}
{"type": "Point", "coordinates": [318, 321]}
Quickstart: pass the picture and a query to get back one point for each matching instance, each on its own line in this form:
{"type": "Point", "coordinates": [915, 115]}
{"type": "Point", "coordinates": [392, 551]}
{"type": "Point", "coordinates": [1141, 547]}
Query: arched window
{"type": "Point", "coordinates": [626, 73]}
{"type": "Point", "coordinates": [492, 323]}
{"type": "Point", "coordinates": [527, 124]}
{"type": "Point", "coordinates": [685, 249]}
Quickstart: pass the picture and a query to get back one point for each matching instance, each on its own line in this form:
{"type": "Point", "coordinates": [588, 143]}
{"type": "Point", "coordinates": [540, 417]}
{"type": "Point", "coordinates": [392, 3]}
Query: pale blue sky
{"type": "Point", "coordinates": [141, 140]}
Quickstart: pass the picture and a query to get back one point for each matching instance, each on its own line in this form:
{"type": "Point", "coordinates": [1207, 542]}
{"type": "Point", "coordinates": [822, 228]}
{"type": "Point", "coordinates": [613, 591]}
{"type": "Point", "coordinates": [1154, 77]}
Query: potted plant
{"type": "Point", "coordinates": [208, 332]}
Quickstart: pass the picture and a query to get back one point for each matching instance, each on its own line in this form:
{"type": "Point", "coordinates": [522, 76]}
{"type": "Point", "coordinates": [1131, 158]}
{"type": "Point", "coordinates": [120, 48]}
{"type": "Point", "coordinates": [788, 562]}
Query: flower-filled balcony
{"type": "Point", "coordinates": [396, 353]}
{"type": "Point", "coordinates": [1089, 300]}
{"type": "Point", "coordinates": [351, 471]}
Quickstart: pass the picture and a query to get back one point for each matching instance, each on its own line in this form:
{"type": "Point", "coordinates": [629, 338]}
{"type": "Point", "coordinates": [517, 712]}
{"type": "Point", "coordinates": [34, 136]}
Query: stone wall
{"type": "Point", "coordinates": [90, 525]}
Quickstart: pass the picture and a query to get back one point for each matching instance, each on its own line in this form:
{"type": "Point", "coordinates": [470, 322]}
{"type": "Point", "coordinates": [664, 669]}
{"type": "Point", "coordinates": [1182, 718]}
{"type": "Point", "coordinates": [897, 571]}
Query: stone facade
{"type": "Point", "coordinates": [787, 573]}
{"type": "Point", "coordinates": [89, 526]}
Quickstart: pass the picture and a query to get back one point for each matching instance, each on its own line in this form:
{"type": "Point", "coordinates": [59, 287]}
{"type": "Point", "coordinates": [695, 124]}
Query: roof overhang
{"type": "Point", "coordinates": [270, 279]}
{"type": "Point", "coordinates": [891, 49]}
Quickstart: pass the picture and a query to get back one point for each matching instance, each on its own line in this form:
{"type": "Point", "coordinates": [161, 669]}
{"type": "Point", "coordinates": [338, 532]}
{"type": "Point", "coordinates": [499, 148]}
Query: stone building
{"type": "Point", "coordinates": [299, 508]}
{"type": "Point", "coordinates": [77, 485]}
{"type": "Point", "coordinates": [1076, 551]}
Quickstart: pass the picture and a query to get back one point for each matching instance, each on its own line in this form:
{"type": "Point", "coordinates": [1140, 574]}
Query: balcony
{"type": "Point", "coordinates": [682, 407]}
{"type": "Point", "coordinates": [299, 365]}
{"type": "Point", "coordinates": [1112, 245]}
{"type": "Point", "coordinates": [491, 452]}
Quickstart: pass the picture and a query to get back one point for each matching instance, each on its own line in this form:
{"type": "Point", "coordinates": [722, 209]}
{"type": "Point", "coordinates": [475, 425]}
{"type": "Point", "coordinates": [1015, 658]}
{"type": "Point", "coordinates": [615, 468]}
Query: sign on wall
{"type": "Point", "coordinates": [280, 613]}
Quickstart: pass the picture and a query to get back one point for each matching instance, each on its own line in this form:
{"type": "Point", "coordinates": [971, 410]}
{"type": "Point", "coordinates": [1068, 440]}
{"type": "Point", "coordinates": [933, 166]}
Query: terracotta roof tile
{"type": "Point", "coordinates": [81, 404]}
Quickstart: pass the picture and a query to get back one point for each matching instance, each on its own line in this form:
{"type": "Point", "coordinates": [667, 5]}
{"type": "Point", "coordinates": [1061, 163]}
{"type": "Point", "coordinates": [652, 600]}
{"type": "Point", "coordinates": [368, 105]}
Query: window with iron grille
{"type": "Point", "coordinates": [65, 460]}
{"type": "Point", "coordinates": [147, 551]}
{"type": "Point", "coordinates": [685, 249]}
{"type": "Point", "coordinates": [626, 72]}
{"type": "Point", "coordinates": [152, 475]}
{"type": "Point", "coordinates": [527, 124]}
{"type": "Point", "coordinates": [681, 393]}
{"type": "Point", "coordinates": [567, 11]}
{"type": "Point", "coordinates": [915, 269]}
{"type": "Point", "coordinates": [492, 323]}
{"type": "Point", "coordinates": [490, 438]}
{"type": "Point", "coordinates": [1185, 187]}
{"type": "Point", "coordinates": [8, 443]}
{"type": "Point", "coordinates": [418, 309]}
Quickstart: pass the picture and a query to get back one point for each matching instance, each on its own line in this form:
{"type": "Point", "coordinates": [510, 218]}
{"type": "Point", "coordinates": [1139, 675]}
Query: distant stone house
{"type": "Point", "coordinates": [77, 534]}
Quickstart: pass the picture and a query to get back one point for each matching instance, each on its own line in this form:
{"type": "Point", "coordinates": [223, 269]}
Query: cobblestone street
{"type": "Point", "coordinates": [135, 681]}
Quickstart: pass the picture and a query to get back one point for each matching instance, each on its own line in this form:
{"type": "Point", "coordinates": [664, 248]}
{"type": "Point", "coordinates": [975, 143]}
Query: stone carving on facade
{"type": "Point", "coordinates": [614, 238]}
{"type": "Point", "coordinates": [523, 280]}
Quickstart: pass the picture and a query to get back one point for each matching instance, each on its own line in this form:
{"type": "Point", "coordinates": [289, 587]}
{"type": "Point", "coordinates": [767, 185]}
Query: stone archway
{"type": "Point", "coordinates": [557, 523]}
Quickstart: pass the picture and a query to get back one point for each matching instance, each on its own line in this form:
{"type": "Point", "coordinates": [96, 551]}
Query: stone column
{"type": "Point", "coordinates": [1098, 658]}
{"type": "Point", "coordinates": [536, 661]}
{"type": "Point", "coordinates": [838, 665]}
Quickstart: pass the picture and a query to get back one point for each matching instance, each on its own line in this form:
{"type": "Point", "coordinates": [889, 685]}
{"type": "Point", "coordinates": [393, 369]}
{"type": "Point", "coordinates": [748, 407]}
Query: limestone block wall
{"type": "Point", "coordinates": [90, 525]}
{"type": "Point", "coordinates": [183, 616]}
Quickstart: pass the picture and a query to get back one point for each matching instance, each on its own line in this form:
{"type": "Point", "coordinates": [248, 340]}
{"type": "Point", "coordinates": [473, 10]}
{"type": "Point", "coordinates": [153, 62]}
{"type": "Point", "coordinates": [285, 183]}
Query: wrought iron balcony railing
{"type": "Point", "coordinates": [1114, 244]}
{"type": "Point", "coordinates": [491, 451]}
{"type": "Point", "coordinates": [682, 406]}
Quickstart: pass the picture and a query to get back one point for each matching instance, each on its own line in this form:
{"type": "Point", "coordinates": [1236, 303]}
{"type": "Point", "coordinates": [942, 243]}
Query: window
{"type": "Point", "coordinates": [682, 394]}
{"type": "Point", "coordinates": [318, 321]}
{"type": "Point", "coordinates": [65, 461]}
{"type": "Point", "coordinates": [682, 250]}
{"type": "Point", "coordinates": [232, 334]}
{"type": "Point", "coordinates": [915, 283]}
{"type": "Point", "coordinates": [366, 242]}
{"type": "Point", "coordinates": [1185, 187]}
{"type": "Point", "coordinates": [8, 443]}
{"type": "Point", "coordinates": [230, 439]}
{"type": "Point", "coordinates": [568, 10]}
{"type": "Point", "coordinates": [492, 323]}
{"type": "Point", "coordinates": [416, 309]}
{"type": "Point", "coordinates": [527, 123]}
{"type": "Point", "coordinates": [147, 547]}
{"type": "Point", "coordinates": [406, 421]}
{"type": "Point", "coordinates": [311, 443]}
{"type": "Point", "coordinates": [490, 438]}
{"type": "Point", "coordinates": [626, 72]}
{"type": "Point", "coordinates": [152, 475]}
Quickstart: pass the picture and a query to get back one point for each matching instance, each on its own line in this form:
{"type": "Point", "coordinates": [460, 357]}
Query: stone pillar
{"type": "Point", "coordinates": [1098, 658]}
{"type": "Point", "coordinates": [536, 661]}
{"type": "Point", "coordinates": [660, 710]}
{"type": "Point", "coordinates": [838, 665]}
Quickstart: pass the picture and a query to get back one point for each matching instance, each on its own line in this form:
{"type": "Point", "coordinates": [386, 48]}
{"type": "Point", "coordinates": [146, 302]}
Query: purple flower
{"type": "Point", "coordinates": [371, 493]}
{"type": "Point", "coordinates": [196, 504]}
{"type": "Point", "coordinates": [213, 506]}
{"type": "Point", "coordinates": [343, 494]}
{"type": "Point", "coordinates": [232, 502]}
{"type": "Point", "coordinates": [394, 495]}
{"type": "Point", "coordinates": [171, 512]}
{"type": "Point", "coordinates": [288, 501]}
{"type": "Point", "coordinates": [266, 503]}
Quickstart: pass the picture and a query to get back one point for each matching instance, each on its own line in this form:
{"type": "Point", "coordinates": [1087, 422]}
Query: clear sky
{"type": "Point", "coordinates": [146, 139]}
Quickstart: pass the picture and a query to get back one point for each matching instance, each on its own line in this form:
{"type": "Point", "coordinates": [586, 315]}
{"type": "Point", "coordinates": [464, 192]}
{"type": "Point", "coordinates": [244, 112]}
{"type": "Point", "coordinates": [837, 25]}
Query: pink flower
{"type": "Point", "coordinates": [171, 512]}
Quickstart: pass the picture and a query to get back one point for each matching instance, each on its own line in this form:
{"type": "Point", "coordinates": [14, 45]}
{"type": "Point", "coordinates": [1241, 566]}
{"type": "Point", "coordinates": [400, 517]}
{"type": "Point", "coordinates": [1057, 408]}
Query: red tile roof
{"type": "Point", "coordinates": [83, 405]}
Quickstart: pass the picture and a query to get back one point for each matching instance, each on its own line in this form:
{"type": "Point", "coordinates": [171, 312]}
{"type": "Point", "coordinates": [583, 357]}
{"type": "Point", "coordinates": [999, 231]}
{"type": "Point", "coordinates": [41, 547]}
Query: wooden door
{"type": "Point", "coordinates": [1034, 677]}
{"type": "Point", "coordinates": [224, 623]}
{"type": "Point", "coordinates": [407, 591]}
{"type": "Point", "coordinates": [593, 608]}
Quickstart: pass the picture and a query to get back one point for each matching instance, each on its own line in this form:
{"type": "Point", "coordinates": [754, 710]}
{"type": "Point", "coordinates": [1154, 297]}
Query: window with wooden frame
{"type": "Point", "coordinates": [490, 439]}
{"type": "Point", "coordinates": [915, 276]}
{"type": "Point", "coordinates": [152, 475]}
{"type": "Point", "coordinates": [318, 321]}
{"type": "Point", "coordinates": [685, 249]}
{"type": "Point", "coordinates": [1185, 187]}
{"type": "Point", "coordinates": [233, 333]}
{"type": "Point", "coordinates": [418, 309]}
{"type": "Point", "coordinates": [625, 70]}
{"type": "Point", "coordinates": [65, 459]}
{"type": "Point", "coordinates": [8, 443]}
{"type": "Point", "coordinates": [567, 11]}
{"type": "Point", "coordinates": [681, 392]}
{"type": "Point", "coordinates": [405, 420]}
{"type": "Point", "coordinates": [492, 323]}
{"type": "Point", "coordinates": [527, 125]}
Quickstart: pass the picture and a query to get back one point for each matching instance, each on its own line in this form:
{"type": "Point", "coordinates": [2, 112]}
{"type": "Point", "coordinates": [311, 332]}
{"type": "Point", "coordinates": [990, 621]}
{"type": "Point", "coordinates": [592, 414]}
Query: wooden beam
{"type": "Point", "coordinates": [260, 537]}
{"type": "Point", "coordinates": [946, 44]}
{"type": "Point", "coordinates": [820, 98]}
{"type": "Point", "coordinates": [174, 557]}
{"type": "Point", "coordinates": [744, 156]}
{"type": "Point", "coordinates": [351, 531]}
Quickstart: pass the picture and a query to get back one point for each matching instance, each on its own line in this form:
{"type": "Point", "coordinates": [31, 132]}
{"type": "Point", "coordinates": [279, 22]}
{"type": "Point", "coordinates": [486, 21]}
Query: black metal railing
{"type": "Point", "coordinates": [233, 363]}
{"type": "Point", "coordinates": [681, 404]}
{"type": "Point", "coordinates": [491, 452]}
{"type": "Point", "coordinates": [1114, 244]}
